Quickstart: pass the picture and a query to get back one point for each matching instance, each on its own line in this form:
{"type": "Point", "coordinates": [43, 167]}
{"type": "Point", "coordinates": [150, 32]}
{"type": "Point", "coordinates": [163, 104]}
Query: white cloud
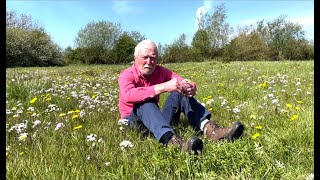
{"type": "Point", "coordinates": [122, 7]}
{"type": "Point", "coordinates": [304, 21]}
{"type": "Point", "coordinates": [207, 6]}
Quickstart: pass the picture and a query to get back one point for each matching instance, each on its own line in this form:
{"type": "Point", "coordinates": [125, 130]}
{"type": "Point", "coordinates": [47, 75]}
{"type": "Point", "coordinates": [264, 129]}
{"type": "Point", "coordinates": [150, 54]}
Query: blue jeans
{"type": "Point", "coordinates": [158, 122]}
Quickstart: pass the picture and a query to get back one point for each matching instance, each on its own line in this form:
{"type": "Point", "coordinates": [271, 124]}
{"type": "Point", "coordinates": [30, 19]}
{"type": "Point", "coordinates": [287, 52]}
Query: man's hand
{"type": "Point", "coordinates": [169, 86]}
{"type": "Point", "coordinates": [184, 87]}
{"type": "Point", "coordinates": [188, 88]}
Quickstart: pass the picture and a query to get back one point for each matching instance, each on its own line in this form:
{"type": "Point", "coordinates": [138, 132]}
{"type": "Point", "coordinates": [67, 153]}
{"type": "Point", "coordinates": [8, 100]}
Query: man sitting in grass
{"type": "Point", "coordinates": [140, 89]}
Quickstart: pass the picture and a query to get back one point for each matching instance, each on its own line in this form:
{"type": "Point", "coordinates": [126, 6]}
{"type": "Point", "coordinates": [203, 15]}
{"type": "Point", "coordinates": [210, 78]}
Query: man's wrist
{"type": "Point", "coordinates": [158, 89]}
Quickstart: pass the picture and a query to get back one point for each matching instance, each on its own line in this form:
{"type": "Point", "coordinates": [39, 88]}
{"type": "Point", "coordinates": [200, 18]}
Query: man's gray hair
{"type": "Point", "coordinates": [142, 44]}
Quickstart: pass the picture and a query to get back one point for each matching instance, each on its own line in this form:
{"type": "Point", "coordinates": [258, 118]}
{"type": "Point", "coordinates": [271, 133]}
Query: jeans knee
{"type": "Point", "coordinates": [175, 95]}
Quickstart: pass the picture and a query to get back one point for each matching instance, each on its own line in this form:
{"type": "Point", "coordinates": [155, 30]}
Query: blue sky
{"type": "Point", "coordinates": [161, 21]}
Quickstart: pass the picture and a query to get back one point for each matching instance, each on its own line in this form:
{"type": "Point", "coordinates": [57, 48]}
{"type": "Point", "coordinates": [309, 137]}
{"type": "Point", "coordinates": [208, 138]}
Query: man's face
{"type": "Point", "coordinates": [147, 60]}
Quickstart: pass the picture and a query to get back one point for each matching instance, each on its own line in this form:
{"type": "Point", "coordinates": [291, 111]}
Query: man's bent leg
{"type": "Point", "coordinates": [194, 111]}
{"type": "Point", "coordinates": [171, 109]}
{"type": "Point", "coordinates": [150, 115]}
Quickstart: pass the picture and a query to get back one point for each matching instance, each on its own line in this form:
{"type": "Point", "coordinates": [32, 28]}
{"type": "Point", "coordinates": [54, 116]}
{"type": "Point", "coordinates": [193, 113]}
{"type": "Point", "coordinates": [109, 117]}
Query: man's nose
{"type": "Point", "coordinates": [149, 60]}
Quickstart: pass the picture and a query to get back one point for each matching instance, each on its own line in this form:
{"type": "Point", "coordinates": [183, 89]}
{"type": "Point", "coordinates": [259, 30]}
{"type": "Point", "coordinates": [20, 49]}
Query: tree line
{"type": "Point", "coordinates": [105, 42]}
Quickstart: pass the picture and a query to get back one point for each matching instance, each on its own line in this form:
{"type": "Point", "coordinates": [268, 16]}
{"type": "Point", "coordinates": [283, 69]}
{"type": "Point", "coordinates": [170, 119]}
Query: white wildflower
{"type": "Point", "coordinates": [19, 111]}
{"type": "Point", "coordinates": [107, 163]}
{"type": "Point", "coordinates": [123, 122]}
{"type": "Point", "coordinates": [275, 101]}
{"type": "Point", "coordinates": [279, 164]}
{"type": "Point", "coordinates": [270, 95]}
{"type": "Point", "coordinates": [30, 109]}
{"type": "Point", "coordinates": [126, 144]}
{"type": "Point", "coordinates": [35, 123]}
{"type": "Point", "coordinates": [58, 126]}
{"type": "Point", "coordinates": [236, 109]}
{"type": "Point", "coordinates": [224, 102]}
{"type": "Point", "coordinates": [23, 136]}
{"type": "Point", "coordinates": [8, 111]}
{"type": "Point", "coordinates": [91, 137]}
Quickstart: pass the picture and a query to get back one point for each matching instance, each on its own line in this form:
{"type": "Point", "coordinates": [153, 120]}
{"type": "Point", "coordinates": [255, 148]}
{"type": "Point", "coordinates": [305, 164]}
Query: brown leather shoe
{"type": "Point", "coordinates": [214, 132]}
{"type": "Point", "coordinates": [194, 144]}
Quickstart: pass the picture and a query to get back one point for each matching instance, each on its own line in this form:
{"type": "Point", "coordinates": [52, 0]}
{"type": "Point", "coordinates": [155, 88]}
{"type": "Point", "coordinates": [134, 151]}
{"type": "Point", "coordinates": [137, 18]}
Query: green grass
{"type": "Point", "coordinates": [278, 97]}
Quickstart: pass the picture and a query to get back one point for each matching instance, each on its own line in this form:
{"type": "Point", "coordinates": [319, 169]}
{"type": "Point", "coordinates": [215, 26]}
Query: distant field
{"type": "Point", "coordinates": [62, 123]}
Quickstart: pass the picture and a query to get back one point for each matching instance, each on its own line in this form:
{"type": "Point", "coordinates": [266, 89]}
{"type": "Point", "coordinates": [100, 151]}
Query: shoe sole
{"type": "Point", "coordinates": [236, 131]}
{"type": "Point", "coordinates": [195, 145]}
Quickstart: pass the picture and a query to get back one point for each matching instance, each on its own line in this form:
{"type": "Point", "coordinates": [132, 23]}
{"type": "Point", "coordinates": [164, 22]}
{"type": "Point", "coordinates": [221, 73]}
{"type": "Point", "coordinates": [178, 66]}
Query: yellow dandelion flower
{"type": "Point", "coordinates": [70, 112]}
{"type": "Point", "coordinates": [21, 153]}
{"type": "Point", "coordinates": [209, 97]}
{"type": "Point", "coordinates": [93, 96]}
{"type": "Point", "coordinates": [294, 117]}
{"type": "Point", "coordinates": [48, 99]}
{"type": "Point", "coordinates": [297, 108]}
{"type": "Point", "coordinates": [33, 100]}
{"type": "Point", "coordinates": [210, 109]}
{"type": "Point", "coordinates": [7, 154]}
{"type": "Point", "coordinates": [253, 116]}
{"type": "Point", "coordinates": [233, 101]}
{"type": "Point", "coordinates": [75, 116]}
{"type": "Point", "coordinates": [258, 127]}
{"type": "Point", "coordinates": [77, 127]}
{"type": "Point", "coordinates": [255, 136]}
{"type": "Point", "coordinates": [265, 84]}
{"type": "Point", "coordinates": [77, 111]}
{"type": "Point", "coordinates": [62, 114]}
{"type": "Point", "coordinates": [289, 106]}
{"type": "Point", "coordinates": [300, 102]}
{"type": "Point", "coordinates": [68, 98]}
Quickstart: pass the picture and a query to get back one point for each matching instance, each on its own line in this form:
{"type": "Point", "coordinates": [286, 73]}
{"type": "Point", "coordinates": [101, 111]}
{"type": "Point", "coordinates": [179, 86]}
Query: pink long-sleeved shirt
{"type": "Point", "coordinates": [135, 88]}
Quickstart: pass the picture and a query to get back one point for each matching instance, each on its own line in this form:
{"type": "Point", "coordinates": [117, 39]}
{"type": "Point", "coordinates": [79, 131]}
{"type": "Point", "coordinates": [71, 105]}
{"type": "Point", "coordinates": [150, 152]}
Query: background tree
{"type": "Point", "coordinates": [179, 51]}
{"type": "Point", "coordinates": [201, 42]}
{"type": "Point", "coordinates": [124, 49]}
{"type": "Point", "coordinates": [217, 30]}
{"type": "Point", "coordinates": [27, 44]}
{"type": "Point", "coordinates": [137, 36]}
{"type": "Point", "coordinates": [280, 35]}
{"type": "Point", "coordinates": [97, 40]}
{"type": "Point", "coordinates": [246, 47]}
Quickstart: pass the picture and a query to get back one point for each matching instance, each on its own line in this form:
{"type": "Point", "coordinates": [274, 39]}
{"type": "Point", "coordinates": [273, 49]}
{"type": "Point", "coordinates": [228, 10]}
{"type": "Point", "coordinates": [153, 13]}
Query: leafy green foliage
{"type": "Point", "coordinates": [286, 40]}
{"type": "Point", "coordinates": [247, 48]}
{"type": "Point", "coordinates": [28, 45]}
{"type": "Point", "coordinates": [217, 31]}
{"type": "Point", "coordinates": [124, 49]}
{"type": "Point", "coordinates": [180, 52]}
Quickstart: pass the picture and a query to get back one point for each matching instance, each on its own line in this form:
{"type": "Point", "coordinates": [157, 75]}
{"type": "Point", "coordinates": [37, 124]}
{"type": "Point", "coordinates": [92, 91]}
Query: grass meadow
{"type": "Point", "coordinates": [62, 123]}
